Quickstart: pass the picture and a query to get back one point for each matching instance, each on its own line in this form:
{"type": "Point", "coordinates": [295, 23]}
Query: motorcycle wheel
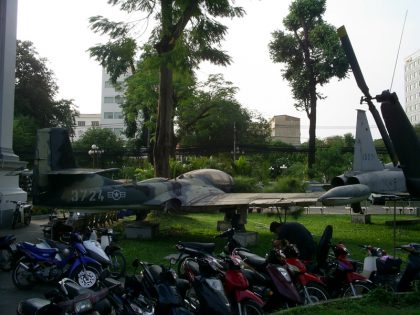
{"type": "Point", "coordinates": [22, 278]}
{"type": "Point", "coordinates": [360, 288]}
{"type": "Point", "coordinates": [118, 264]}
{"type": "Point", "coordinates": [250, 307]}
{"type": "Point", "coordinates": [316, 293]}
{"type": "Point", "coordinates": [86, 276]}
{"type": "Point", "coordinates": [6, 258]}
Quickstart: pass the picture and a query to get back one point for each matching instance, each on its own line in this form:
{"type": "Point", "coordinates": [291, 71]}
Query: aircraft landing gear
{"type": "Point", "coordinates": [356, 208]}
{"type": "Point", "coordinates": [237, 217]}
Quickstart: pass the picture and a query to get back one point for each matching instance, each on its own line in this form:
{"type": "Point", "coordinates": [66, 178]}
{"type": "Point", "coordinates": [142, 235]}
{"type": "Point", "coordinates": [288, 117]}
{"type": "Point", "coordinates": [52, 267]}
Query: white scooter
{"type": "Point", "coordinates": [381, 268]}
{"type": "Point", "coordinates": [117, 262]}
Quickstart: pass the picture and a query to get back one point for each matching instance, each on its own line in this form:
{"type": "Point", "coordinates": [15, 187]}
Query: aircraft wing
{"type": "Point", "coordinates": [257, 199]}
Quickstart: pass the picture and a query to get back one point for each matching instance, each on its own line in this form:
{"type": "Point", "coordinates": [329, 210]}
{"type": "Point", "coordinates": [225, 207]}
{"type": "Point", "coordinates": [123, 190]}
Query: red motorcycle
{"type": "Point", "coordinates": [310, 286]}
{"type": "Point", "coordinates": [270, 279]}
{"type": "Point", "coordinates": [342, 279]}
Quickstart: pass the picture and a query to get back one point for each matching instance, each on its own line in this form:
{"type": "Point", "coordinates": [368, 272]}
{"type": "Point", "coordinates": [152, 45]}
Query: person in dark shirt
{"type": "Point", "coordinates": [297, 234]}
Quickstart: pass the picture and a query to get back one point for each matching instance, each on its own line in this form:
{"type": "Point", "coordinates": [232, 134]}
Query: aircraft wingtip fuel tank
{"type": "Point", "coordinates": [344, 195]}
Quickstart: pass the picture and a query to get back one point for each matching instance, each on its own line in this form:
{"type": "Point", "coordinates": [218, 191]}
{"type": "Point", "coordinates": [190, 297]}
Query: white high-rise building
{"type": "Point", "coordinates": [112, 97]}
{"type": "Point", "coordinates": [412, 87]}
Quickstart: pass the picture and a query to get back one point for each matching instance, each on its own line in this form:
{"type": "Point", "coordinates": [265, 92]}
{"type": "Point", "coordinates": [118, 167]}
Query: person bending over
{"type": "Point", "coordinates": [297, 234]}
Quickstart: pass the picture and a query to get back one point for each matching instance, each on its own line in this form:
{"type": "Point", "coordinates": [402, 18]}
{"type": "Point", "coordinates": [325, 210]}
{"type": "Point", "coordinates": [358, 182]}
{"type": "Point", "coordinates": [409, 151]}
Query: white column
{"type": "Point", "coordinates": [8, 20]}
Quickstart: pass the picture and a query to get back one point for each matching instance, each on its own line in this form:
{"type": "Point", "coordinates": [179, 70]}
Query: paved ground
{"type": "Point", "coordinates": [9, 294]}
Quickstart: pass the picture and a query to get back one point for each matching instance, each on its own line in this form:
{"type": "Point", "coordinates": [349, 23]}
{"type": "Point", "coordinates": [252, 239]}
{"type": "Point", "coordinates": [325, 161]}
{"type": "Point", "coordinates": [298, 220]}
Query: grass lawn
{"type": "Point", "coordinates": [201, 227]}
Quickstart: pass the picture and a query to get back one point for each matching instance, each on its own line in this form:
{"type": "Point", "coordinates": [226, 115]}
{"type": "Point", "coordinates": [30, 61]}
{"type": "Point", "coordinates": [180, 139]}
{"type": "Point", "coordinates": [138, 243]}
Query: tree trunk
{"type": "Point", "coordinates": [312, 139]}
{"type": "Point", "coordinates": [164, 124]}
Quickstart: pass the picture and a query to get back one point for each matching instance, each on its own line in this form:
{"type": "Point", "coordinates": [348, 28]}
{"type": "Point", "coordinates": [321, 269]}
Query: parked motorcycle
{"type": "Point", "coordinates": [107, 246]}
{"type": "Point", "coordinates": [270, 279]}
{"type": "Point", "coordinates": [381, 268]}
{"type": "Point", "coordinates": [236, 285]}
{"type": "Point", "coordinates": [207, 294]}
{"type": "Point", "coordinates": [341, 277]}
{"type": "Point", "coordinates": [228, 270]}
{"type": "Point", "coordinates": [161, 285]}
{"type": "Point", "coordinates": [310, 286]}
{"type": "Point", "coordinates": [41, 263]}
{"type": "Point", "coordinates": [7, 249]}
{"type": "Point", "coordinates": [68, 298]}
{"type": "Point", "coordinates": [22, 213]}
{"type": "Point", "coordinates": [126, 298]}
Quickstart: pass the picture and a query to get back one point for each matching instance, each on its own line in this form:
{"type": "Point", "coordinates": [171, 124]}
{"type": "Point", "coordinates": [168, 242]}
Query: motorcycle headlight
{"type": "Point", "coordinates": [82, 306]}
{"type": "Point", "coordinates": [284, 273]}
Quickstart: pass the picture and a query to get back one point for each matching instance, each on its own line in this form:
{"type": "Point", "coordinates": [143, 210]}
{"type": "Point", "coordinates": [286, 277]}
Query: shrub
{"type": "Point", "coordinates": [286, 185]}
{"type": "Point", "coordinates": [246, 184]}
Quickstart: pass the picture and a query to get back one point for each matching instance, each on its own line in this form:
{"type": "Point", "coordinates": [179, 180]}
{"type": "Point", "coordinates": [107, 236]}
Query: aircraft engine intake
{"type": "Point", "coordinates": [339, 181]}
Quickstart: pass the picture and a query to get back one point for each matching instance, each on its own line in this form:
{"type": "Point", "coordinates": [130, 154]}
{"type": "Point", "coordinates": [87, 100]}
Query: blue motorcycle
{"type": "Point", "coordinates": [38, 263]}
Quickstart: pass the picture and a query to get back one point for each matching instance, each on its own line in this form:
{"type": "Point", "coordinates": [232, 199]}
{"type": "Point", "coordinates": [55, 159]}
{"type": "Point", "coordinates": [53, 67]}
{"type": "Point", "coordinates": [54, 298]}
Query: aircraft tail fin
{"type": "Point", "coordinates": [53, 153]}
{"type": "Point", "coordinates": [365, 157]}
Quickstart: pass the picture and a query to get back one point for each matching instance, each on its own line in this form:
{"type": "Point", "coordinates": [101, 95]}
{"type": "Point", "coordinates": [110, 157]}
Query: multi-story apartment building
{"type": "Point", "coordinates": [286, 129]}
{"type": "Point", "coordinates": [84, 122]}
{"type": "Point", "coordinates": [412, 87]}
{"type": "Point", "coordinates": [111, 112]}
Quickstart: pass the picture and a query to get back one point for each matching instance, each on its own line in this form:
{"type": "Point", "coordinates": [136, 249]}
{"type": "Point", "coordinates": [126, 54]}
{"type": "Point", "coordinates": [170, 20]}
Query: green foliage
{"type": "Point", "coordinates": [285, 184]}
{"type": "Point", "coordinates": [242, 166]}
{"type": "Point", "coordinates": [331, 160]}
{"type": "Point", "coordinates": [106, 140]}
{"type": "Point", "coordinates": [35, 104]}
{"type": "Point", "coordinates": [213, 117]}
{"type": "Point", "coordinates": [246, 184]}
{"type": "Point", "coordinates": [311, 53]}
{"type": "Point", "coordinates": [24, 135]}
{"type": "Point", "coordinates": [297, 170]}
{"type": "Point", "coordinates": [187, 29]}
{"type": "Point", "coordinates": [145, 172]}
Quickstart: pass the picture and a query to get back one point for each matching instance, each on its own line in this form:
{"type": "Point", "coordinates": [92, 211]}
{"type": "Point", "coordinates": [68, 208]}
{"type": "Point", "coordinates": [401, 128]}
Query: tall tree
{"type": "Point", "coordinates": [35, 103]}
{"type": "Point", "coordinates": [311, 51]}
{"type": "Point", "coordinates": [212, 115]}
{"type": "Point", "coordinates": [190, 20]}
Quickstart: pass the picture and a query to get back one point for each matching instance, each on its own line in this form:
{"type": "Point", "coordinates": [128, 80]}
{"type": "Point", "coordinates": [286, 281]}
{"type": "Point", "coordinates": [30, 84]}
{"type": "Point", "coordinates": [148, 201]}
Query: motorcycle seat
{"type": "Point", "coordinates": [44, 252]}
{"type": "Point", "coordinates": [254, 260]}
{"type": "Point", "coordinates": [204, 247]}
{"type": "Point", "coordinates": [74, 289]}
{"type": "Point", "coordinates": [55, 244]}
{"type": "Point", "coordinates": [32, 306]}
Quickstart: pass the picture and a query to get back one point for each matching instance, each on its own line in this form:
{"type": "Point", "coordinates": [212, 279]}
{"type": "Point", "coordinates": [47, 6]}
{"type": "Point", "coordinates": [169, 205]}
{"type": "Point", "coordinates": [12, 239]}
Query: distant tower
{"type": "Point", "coordinates": [412, 87]}
{"type": "Point", "coordinates": [286, 129]}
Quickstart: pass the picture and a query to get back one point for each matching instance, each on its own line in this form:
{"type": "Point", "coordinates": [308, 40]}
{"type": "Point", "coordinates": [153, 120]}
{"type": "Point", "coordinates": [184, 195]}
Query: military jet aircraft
{"type": "Point", "coordinates": [58, 183]}
{"type": "Point", "coordinates": [382, 180]}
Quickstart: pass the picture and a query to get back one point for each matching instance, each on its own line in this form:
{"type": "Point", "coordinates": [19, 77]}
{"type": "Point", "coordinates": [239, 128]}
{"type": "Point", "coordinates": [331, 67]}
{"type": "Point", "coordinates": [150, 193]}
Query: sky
{"type": "Point", "coordinates": [59, 30]}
